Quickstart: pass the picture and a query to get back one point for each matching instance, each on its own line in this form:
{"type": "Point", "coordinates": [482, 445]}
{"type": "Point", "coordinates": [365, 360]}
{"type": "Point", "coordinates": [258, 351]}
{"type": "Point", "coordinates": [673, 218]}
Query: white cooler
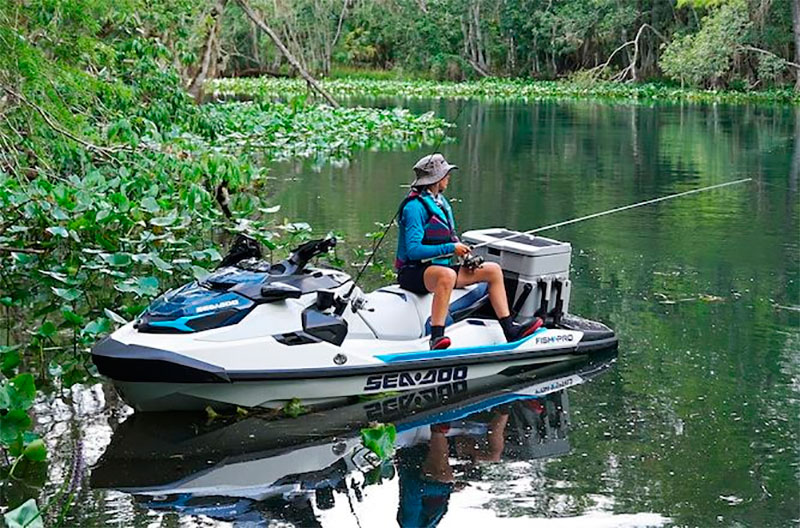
{"type": "Point", "coordinates": [541, 262]}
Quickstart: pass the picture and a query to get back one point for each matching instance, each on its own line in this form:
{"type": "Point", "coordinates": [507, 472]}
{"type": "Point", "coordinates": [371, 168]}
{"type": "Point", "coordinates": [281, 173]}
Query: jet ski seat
{"type": "Point", "coordinates": [407, 314]}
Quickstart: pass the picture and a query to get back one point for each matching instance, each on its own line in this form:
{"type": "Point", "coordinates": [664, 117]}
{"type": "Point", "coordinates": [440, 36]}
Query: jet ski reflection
{"type": "Point", "coordinates": [258, 470]}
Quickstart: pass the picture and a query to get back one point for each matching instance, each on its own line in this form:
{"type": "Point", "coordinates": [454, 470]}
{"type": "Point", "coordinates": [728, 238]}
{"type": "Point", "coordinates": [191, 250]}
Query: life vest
{"type": "Point", "coordinates": [436, 231]}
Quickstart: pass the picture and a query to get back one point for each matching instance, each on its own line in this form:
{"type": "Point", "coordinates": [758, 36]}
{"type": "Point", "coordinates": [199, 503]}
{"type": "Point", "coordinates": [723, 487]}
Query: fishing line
{"type": "Point", "coordinates": [388, 226]}
{"type": "Point", "coordinates": [610, 211]}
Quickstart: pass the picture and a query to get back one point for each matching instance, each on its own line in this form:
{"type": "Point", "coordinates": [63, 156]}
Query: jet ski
{"type": "Point", "coordinates": [256, 334]}
{"type": "Point", "coordinates": [229, 469]}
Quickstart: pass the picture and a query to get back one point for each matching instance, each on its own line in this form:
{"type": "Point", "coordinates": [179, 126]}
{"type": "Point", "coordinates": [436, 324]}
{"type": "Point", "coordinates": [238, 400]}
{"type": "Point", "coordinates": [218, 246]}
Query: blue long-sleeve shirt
{"type": "Point", "coordinates": [412, 229]}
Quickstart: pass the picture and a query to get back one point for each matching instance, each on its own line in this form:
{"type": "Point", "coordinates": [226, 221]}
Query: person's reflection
{"type": "Point", "coordinates": [426, 477]}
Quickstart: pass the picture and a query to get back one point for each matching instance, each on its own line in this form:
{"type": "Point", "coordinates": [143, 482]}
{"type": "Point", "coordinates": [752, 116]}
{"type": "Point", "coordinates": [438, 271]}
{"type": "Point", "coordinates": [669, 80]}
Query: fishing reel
{"type": "Point", "coordinates": [473, 262]}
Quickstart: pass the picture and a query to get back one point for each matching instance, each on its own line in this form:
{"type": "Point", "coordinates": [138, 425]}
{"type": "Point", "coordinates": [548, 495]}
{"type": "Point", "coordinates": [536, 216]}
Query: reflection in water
{"type": "Point", "coordinates": [526, 428]}
{"type": "Point", "coordinates": [294, 470]}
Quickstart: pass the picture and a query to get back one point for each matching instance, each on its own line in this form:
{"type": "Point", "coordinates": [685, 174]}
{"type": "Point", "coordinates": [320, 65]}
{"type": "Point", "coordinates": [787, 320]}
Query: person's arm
{"type": "Point", "coordinates": [413, 221]}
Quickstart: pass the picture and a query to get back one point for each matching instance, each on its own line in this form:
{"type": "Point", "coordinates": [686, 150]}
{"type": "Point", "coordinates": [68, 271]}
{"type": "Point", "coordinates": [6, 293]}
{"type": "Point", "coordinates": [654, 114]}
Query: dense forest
{"type": "Point", "coordinates": [714, 43]}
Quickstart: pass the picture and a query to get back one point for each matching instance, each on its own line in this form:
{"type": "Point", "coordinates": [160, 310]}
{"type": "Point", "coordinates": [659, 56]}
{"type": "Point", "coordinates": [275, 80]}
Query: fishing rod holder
{"type": "Point", "coordinates": [535, 269]}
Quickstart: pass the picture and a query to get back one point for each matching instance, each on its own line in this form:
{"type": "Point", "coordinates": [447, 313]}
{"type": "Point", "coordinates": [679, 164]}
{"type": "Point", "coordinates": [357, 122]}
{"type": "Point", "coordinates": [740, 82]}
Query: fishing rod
{"type": "Point", "coordinates": [604, 213]}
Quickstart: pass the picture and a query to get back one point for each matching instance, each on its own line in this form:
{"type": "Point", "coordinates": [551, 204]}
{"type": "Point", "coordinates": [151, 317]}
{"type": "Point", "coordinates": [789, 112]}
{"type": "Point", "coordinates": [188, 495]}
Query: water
{"type": "Point", "coordinates": [697, 423]}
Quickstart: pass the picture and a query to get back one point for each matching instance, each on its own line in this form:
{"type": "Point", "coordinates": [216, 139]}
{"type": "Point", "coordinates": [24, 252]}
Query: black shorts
{"type": "Point", "coordinates": [410, 276]}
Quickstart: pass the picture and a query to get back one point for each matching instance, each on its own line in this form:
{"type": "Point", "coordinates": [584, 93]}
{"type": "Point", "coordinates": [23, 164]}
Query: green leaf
{"type": "Point", "coordinates": [68, 294]}
{"type": "Point", "coordinates": [200, 273]}
{"type": "Point", "coordinates": [294, 408]}
{"type": "Point", "coordinates": [140, 286]}
{"type": "Point", "coordinates": [114, 316]}
{"type": "Point", "coordinates": [164, 221]}
{"type": "Point", "coordinates": [12, 425]}
{"type": "Point", "coordinates": [60, 277]}
{"type": "Point", "coordinates": [21, 391]}
{"type": "Point", "coordinates": [118, 259]}
{"type": "Point", "coordinates": [26, 516]}
{"type": "Point", "coordinates": [9, 360]}
{"type": "Point", "coordinates": [380, 439]}
{"type": "Point", "coordinates": [150, 205]}
{"type": "Point", "coordinates": [71, 317]}
{"type": "Point", "coordinates": [58, 231]}
{"type": "Point", "coordinates": [36, 450]}
{"type": "Point", "coordinates": [101, 325]}
{"type": "Point", "coordinates": [23, 258]}
{"type": "Point", "coordinates": [5, 399]}
{"type": "Point", "coordinates": [160, 263]}
{"type": "Point", "coordinates": [48, 329]}
{"type": "Point", "coordinates": [147, 286]}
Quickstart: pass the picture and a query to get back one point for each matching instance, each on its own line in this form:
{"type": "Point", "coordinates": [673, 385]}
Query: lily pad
{"type": "Point", "coordinates": [58, 231]}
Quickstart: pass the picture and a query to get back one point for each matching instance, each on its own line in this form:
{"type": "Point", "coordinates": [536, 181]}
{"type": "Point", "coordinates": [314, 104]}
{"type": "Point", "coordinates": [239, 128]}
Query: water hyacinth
{"type": "Point", "coordinates": [84, 253]}
{"type": "Point", "coordinates": [280, 131]}
{"type": "Point", "coordinates": [497, 89]}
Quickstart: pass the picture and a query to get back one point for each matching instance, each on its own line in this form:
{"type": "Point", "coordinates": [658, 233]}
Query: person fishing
{"type": "Point", "coordinates": [426, 241]}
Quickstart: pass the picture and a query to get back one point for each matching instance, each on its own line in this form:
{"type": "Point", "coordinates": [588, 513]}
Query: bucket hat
{"type": "Point", "coordinates": [430, 169]}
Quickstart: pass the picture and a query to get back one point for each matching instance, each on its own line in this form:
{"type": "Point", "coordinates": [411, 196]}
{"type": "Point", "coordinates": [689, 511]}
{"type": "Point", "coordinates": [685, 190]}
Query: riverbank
{"type": "Point", "coordinates": [494, 89]}
{"type": "Point", "coordinates": [148, 201]}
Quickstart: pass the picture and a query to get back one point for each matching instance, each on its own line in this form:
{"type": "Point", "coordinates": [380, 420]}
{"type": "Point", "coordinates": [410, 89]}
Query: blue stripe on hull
{"type": "Point", "coordinates": [450, 352]}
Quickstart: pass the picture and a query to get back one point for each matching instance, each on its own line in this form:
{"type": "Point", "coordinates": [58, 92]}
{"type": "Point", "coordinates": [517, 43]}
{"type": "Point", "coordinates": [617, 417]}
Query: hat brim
{"type": "Point", "coordinates": [430, 179]}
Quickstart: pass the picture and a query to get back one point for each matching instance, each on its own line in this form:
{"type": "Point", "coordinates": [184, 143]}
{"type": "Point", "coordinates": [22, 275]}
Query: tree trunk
{"type": "Point", "coordinates": [336, 35]}
{"type": "Point", "coordinates": [254, 43]}
{"type": "Point", "coordinates": [794, 172]}
{"type": "Point", "coordinates": [208, 66]}
{"type": "Point", "coordinates": [274, 36]}
{"type": "Point", "coordinates": [480, 49]}
{"type": "Point", "coordinates": [796, 24]}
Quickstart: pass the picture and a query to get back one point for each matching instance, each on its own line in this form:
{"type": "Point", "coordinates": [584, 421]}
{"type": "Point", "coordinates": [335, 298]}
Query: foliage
{"type": "Point", "coordinates": [494, 89]}
{"type": "Point", "coordinates": [293, 408]}
{"type": "Point", "coordinates": [706, 57]}
{"type": "Point", "coordinates": [110, 176]}
{"type": "Point", "coordinates": [459, 39]}
{"type": "Point", "coordinates": [16, 439]}
{"type": "Point", "coordinates": [380, 438]}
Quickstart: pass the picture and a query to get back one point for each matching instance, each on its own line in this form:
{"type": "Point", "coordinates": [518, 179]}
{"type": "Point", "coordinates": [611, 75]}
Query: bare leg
{"type": "Point", "coordinates": [491, 273]}
{"type": "Point", "coordinates": [440, 280]}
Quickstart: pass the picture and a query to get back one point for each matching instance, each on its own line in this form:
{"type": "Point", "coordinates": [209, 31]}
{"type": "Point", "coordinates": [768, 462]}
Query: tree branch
{"type": "Point", "coordinates": [105, 151]}
{"type": "Point", "coordinates": [631, 67]}
{"type": "Point", "coordinates": [765, 52]}
{"type": "Point", "coordinates": [274, 36]}
{"type": "Point", "coordinates": [7, 249]}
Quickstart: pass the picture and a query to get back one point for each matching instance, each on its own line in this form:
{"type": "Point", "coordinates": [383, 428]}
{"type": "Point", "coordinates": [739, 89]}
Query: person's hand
{"type": "Point", "coordinates": [462, 249]}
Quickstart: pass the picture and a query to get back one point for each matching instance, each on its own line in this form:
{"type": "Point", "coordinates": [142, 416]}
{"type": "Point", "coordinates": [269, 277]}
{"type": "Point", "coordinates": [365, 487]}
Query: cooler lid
{"type": "Point", "coordinates": [532, 245]}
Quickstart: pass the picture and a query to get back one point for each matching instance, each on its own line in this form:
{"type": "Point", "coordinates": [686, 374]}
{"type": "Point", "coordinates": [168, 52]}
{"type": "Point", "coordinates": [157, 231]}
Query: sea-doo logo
{"type": "Point", "coordinates": [397, 380]}
{"type": "Point", "coordinates": [561, 338]}
{"type": "Point", "coordinates": [216, 306]}
{"type": "Point", "coordinates": [413, 400]}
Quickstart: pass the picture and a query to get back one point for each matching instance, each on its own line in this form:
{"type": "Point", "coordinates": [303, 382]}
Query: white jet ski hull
{"type": "Point", "coordinates": [363, 374]}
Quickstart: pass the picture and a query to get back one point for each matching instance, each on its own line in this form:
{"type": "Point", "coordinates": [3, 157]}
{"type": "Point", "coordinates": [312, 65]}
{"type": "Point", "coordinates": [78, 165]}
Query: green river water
{"type": "Point", "coordinates": [696, 424]}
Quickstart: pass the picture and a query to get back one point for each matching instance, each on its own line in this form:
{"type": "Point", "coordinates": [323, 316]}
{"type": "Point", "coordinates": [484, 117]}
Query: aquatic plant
{"type": "Point", "coordinates": [380, 438]}
{"type": "Point", "coordinates": [497, 89]}
{"type": "Point", "coordinates": [84, 253]}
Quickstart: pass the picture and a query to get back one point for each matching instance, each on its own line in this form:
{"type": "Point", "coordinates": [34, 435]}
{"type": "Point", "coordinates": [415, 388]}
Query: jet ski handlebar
{"type": "Point", "coordinates": [307, 251]}
{"type": "Point", "coordinates": [245, 248]}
